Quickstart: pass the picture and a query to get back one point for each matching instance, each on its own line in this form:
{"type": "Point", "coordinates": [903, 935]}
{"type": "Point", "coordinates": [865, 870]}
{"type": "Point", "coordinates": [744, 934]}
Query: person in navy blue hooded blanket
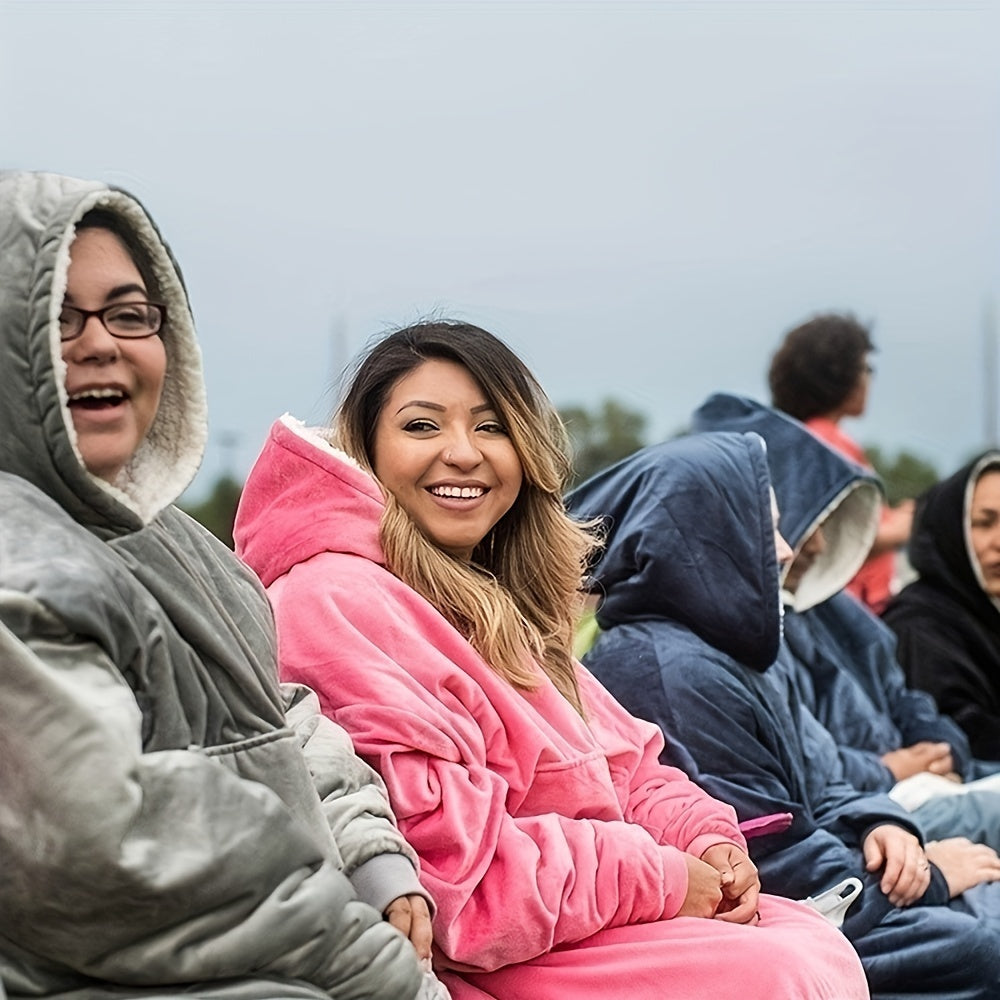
{"type": "Point", "coordinates": [890, 738]}
{"type": "Point", "coordinates": [691, 622]}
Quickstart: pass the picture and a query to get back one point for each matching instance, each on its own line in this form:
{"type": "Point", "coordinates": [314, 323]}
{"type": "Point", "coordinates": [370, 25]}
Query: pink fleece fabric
{"type": "Point", "coordinates": [552, 846]}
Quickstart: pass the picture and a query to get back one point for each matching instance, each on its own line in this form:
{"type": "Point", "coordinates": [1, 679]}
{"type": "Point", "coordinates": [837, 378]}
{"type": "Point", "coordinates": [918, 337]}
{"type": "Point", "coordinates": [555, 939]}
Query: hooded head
{"type": "Point", "coordinates": [816, 487]}
{"type": "Point", "coordinates": [690, 538]}
{"type": "Point", "coordinates": [39, 442]}
{"type": "Point", "coordinates": [949, 520]}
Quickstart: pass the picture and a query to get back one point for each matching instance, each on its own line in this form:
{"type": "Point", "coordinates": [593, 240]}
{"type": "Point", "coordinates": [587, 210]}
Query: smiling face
{"type": "Point", "coordinates": [442, 451]}
{"type": "Point", "coordinates": [984, 529]}
{"type": "Point", "coordinates": [113, 385]}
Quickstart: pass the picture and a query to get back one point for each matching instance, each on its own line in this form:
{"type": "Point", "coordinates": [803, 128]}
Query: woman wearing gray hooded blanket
{"type": "Point", "coordinates": [160, 828]}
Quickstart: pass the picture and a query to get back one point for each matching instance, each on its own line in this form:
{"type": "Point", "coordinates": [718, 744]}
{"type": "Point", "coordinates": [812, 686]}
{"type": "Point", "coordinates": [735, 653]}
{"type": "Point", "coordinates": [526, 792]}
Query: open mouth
{"type": "Point", "coordinates": [458, 492]}
{"type": "Point", "coordinates": [97, 399]}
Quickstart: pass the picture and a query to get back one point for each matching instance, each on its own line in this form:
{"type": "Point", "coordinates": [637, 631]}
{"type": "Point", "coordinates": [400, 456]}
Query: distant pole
{"type": "Point", "coordinates": [228, 443]}
{"type": "Point", "coordinates": [990, 375]}
{"type": "Point", "coordinates": [339, 359]}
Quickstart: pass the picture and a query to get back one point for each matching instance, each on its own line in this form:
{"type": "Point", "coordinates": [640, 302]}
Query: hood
{"type": "Point", "coordinates": [940, 547]}
{"type": "Point", "coordinates": [303, 497]}
{"type": "Point", "coordinates": [689, 538]}
{"type": "Point", "coordinates": [37, 215]}
{"type": "Point", "coordinates": [814, 485]}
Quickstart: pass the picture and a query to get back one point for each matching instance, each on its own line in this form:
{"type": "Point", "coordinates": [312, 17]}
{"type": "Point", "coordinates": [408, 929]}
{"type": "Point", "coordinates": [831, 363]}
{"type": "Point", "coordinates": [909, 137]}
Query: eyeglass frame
{"type": "Point", "coordinates": [85, 315]}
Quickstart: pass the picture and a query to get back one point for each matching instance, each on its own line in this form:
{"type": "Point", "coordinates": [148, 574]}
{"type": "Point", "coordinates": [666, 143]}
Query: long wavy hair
{"type": "Point", "coordinates": [517, 601]}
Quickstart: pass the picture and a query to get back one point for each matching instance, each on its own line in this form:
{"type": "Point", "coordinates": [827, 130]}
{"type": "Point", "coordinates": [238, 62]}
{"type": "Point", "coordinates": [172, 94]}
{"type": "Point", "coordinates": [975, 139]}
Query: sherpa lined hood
{"type": "Point", "coordinates": [38, 213]}
{"type": "Point", "coordinates": [689, 538]}
{"type": "Point", "coordinates": [299, 470]}
{"type": "Point", "coordinates": [940, 547]}
{"type": "Point", "coordinates": [814, 486]}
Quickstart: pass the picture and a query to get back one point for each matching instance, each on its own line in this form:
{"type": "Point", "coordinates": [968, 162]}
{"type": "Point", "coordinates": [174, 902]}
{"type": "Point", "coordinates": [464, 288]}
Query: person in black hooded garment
{"type": "Point", "coordinates": [948, 620]}
{"type": "Point", "coordinates": [691, 625]}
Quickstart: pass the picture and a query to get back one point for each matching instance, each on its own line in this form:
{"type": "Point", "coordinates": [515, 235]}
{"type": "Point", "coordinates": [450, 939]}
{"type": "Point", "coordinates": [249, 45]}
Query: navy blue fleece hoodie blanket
{"type": "Point", "coordinates": [691, 625]}
{"type": "Point", "coordinates": [852, 681]}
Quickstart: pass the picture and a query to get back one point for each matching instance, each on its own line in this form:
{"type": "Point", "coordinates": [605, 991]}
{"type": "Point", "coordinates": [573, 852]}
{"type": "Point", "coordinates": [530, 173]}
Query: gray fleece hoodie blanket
{"type": "Point", "coordinates": [160, 828]}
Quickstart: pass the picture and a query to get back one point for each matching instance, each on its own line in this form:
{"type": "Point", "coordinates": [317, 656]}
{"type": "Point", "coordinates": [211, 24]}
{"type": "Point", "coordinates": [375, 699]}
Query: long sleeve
{"type": "Point", "coordinates": [374, 854]}
{"type": "Point", "coordinates": [742, 741]}
{"type": "Point", "coordinates": [179, 869]}
{"type": "Point", "coordinates": [485, 783]}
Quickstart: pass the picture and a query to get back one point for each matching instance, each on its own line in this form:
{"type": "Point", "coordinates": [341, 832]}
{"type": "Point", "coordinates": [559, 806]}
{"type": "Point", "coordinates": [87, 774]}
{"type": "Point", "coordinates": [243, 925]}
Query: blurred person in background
{"type": "Point", "coordinates": [821, 374]}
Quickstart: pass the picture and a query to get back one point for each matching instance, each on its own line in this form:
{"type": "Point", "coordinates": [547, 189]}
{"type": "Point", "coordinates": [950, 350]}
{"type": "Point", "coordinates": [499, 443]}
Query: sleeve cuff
{"type": "Point", "coordinates": [379, 881]}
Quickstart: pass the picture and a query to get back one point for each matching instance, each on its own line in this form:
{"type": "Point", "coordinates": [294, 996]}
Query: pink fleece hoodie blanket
{"type": "Point", "coordinates": [553, 846]}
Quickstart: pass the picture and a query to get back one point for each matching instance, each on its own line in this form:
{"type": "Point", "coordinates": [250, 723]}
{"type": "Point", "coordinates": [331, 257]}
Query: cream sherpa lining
{"type": "Point", "coordinates": [321, 437]}
{"type": "Point", "coordinates": [850, 523]}
{"type": "Point", "coordinates": [168, 458]}
{"type": "Point", "coordinates": [988, 461]}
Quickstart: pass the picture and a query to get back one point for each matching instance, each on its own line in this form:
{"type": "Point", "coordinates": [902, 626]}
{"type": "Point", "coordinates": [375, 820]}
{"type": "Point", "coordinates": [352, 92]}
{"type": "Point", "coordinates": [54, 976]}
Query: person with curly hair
{"type": "Point", "coordinates": [821, 374]}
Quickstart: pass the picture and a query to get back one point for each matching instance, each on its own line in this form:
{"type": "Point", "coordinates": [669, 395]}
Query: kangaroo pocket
{"type": "Point", "coordinates": [583, 783]}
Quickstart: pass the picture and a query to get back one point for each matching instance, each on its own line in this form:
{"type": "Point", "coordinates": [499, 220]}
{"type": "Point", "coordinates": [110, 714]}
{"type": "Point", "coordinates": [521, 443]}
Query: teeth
{"type": "Point", "coordinates": [97, 394]}
{"type": "Point", "coordinates": [462, 492]}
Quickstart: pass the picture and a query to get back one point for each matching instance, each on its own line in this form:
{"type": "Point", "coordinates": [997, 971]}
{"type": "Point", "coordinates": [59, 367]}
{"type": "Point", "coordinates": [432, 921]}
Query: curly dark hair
{"type": "Point", "coordinates": [818, 364]}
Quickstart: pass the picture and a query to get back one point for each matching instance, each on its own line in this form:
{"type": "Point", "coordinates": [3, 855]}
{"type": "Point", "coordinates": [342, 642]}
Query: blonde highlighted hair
{"type": "Point", "coordinates": [517, 601]}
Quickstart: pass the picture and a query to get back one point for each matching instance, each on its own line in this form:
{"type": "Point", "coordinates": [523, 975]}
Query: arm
{"type": "Point", "coordinates": [375, 856]}
{"type": "Point", "coordinates": [727, 727]}
{"type": "Point", "coordinates": [158, 855]}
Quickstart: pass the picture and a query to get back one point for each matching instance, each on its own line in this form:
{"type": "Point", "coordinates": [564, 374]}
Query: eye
{"type": "Point", "coordinates": [492, 427]}
{"type": "Point", "coordinates": [419, 425]}
{"type": "Point", "coordinates": [129, 314]}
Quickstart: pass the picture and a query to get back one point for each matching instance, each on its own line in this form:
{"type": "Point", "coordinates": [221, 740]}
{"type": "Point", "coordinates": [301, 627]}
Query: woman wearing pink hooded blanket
{"type": "Point", "coordinates": [425, 579]}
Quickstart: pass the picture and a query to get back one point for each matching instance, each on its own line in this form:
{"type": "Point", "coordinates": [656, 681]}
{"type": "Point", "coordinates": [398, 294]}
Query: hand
{"type": "Point", "coordinates": [411, 916]}
{"type": "Point", "coordinates": [906, 872]}
{"type": "Point", "coordinates": [704, 891]}
{"type": "Point", "coordinates": [963, 863]}
{"type": "Point", "coordinates": [923, 756]}
{"type": "Point", "coordinates": [740, 883]}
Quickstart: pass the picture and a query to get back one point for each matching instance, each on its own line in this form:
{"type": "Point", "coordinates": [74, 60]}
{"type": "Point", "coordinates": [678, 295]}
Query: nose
{"type": "Point", "coordinates": [93, 344]}
{"type": "Point", "coordinates": [782, 549]}
{"type": "Point", "coordinates": [461, 451]}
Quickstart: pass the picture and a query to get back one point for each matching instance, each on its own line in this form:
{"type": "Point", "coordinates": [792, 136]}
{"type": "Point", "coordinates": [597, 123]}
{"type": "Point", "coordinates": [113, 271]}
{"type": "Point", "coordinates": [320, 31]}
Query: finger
{"type": "Point", "coordinates": [912, 882]}
{"type": "Point", "coordinates": [743, 912]}
{"type": "Point", "coordinates": [421, 929]}
{"type": "Point", "coordinates": [399, 914]}
{"type": "Point", "coordinates": [746, 880]}
{"type": "Point", "coordinates": [874, 858]}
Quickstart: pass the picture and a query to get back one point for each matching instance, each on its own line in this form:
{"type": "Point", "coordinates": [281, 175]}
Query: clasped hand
{"type": "Point", "coordinates": [723, 884]}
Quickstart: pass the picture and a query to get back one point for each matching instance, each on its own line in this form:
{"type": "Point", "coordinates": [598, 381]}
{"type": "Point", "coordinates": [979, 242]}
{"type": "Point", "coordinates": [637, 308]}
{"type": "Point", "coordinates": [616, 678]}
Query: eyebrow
{"type": "Point", "coordinates": [438, 408]}
{"type": "Point", "coordinates": [117, 291]}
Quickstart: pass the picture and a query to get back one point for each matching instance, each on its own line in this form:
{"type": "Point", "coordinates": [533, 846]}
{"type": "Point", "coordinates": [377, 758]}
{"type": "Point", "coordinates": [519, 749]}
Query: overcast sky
{"type": "Point", "coordinates": [639, 197]}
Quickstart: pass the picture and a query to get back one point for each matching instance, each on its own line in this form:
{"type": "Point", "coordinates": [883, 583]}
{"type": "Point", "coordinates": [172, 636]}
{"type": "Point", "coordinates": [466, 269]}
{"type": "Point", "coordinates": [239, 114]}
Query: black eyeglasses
{"type": "Point", "coordinates": [127, 320]}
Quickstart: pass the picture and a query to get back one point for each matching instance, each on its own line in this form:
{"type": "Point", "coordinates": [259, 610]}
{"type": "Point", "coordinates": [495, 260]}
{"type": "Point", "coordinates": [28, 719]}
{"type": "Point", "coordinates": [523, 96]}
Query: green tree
{"type": "Point", "coordinates": [904, 474]}
{"type": "Point", "coordinates": [602, 435]}
{"type": "Point", "coordinates": [218, 511]}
